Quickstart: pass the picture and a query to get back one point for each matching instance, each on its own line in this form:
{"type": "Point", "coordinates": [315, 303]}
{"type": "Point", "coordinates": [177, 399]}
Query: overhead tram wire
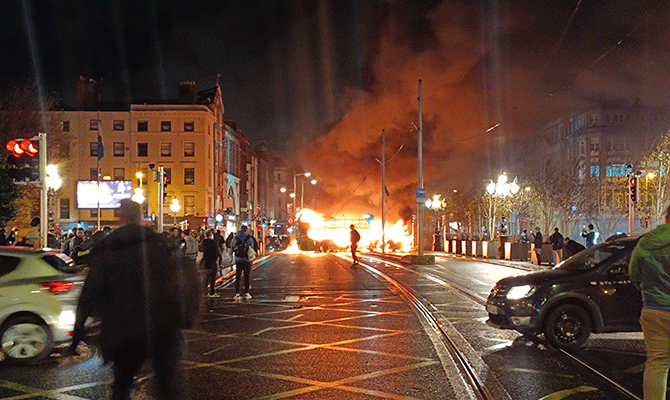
{"type": "Point", "coordinates": [374, 170]}
{"type": "Point", "coordinates": [594, 62]}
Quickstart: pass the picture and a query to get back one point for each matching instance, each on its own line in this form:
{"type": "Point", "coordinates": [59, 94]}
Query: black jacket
{"type": "Point", "coordinates": [139, 286]}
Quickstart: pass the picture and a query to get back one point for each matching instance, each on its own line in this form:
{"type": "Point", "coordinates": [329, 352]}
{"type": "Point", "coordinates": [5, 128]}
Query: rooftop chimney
{"type": "Point", "coordinates": [187, 92]}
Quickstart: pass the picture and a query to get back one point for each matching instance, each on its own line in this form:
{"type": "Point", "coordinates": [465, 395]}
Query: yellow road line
{"type": "Point", "coordinates": [569, 392]}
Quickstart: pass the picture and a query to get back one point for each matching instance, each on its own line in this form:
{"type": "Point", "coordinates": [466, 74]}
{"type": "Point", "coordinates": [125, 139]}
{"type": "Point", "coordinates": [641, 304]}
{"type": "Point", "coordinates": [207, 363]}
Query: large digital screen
{"type": "Point", "coordinates": [111, 193]}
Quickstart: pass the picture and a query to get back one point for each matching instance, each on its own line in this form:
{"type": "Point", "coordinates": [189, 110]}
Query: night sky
{"type": "Point", "coordinates": [325, 77]}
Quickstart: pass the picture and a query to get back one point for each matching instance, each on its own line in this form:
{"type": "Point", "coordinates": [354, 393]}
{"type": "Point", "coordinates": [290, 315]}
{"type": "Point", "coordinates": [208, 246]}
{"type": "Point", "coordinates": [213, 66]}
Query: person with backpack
{"type": "Point", "coordinates": [355, 237]}
{"type": "Point", "coordinates": [240, 246]}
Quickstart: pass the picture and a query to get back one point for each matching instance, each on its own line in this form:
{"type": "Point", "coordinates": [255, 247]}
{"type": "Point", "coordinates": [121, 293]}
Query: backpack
{"type": "Point", "coordinates": [241, 248]}
{"type": "Point", "coordinates": [356, 237]}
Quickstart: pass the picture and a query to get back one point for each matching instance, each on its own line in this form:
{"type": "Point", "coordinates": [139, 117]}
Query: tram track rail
{"type": "Point", "coordinates": [470, 374]}
{"type": "Point", "coordinates": [475, 382]}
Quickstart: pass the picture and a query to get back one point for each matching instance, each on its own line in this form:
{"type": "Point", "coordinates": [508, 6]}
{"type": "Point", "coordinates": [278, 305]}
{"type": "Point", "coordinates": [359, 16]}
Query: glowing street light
{"type": "Point", "coordinates": [175, 207]}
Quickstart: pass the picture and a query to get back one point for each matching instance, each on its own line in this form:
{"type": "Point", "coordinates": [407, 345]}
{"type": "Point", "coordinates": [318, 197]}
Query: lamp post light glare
{"type": "Point", "coordinates": [175, 207]}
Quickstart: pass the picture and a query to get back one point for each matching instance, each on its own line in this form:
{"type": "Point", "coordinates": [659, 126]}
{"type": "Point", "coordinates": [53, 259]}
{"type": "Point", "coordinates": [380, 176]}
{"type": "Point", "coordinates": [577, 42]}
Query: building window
{"type": "Point", "coordinates": [142, 126]}
{"type": "Point", "coordinates": [64, 208]}
{"type": "Point", "coordinates": [117, 213]}
{"type": "Point", "coordinates": [94, 124]}
{"type": "Point", "coordinates": [119, 125]}
{"type": "Point", "coordinates": [119, 149]}
{"type": "Point", "coordinates": [65, 126]}
{"type": "Point", "coordinates": [93, 149]}
{"type": "Point", "coordinates": [93, 174]}
{"type": "Point", "coordinates": [189, 126]}
{"type": "Point", "coordinates": [189, 149]}
{"type": "Point", "coordinates": [143, 149]}
{"type": "Point", "coordinates": [167, 172]}
{"type": "Point", "coordinates": [189, 176]}
{"type": "Point", "coordinates": [595, 170]}
{"type": "Point", "coordinates": [166, 126]}
{"type": "Point", "coordinates": [189, 205]}
{"type": "Point", "coordinates": [166, 149]}
{"type": "Point", "coordinates": [94, 213]}
{"type": "Point", "coordinates": [119, 174]}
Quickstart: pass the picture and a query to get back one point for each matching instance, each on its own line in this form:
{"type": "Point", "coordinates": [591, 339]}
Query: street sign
{"type": "Point", "coordinates": [420, 196]}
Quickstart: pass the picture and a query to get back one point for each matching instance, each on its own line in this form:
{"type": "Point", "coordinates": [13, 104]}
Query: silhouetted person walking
{"type": "Point", "coordinates": [355, 237]}
{"type": "Point", "coordinates": [144, 295]}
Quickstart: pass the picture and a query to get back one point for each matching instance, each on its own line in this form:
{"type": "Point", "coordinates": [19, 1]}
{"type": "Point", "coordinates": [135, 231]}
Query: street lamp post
{"type": "Point", "coordinates": [175, 207]}
{"type": "Point", "coordinates": [501, 189]}
{"type": "Point", "coordinates": [436, 204]}
{"type": "Point", "coordinates": [53, 183]}
{"type": "Point", "coordinates": [295, 187]}
{"type": "Point", "coordinates": [302, 192]}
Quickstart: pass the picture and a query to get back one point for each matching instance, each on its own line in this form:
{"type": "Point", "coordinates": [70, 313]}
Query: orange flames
{"type": "Point", "coordinates": [338, 231]}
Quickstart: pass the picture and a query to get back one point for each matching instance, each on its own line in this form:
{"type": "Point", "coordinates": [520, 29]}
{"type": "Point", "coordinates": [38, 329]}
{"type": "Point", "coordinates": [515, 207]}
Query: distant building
{"type": "Point", "coordinates": [208, 162]}
{"type": "Point", "coordinates": [604, 144]}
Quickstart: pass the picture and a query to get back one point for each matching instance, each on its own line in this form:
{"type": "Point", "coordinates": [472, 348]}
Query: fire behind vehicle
{"type": "Point", "coordinates": [39, 290]}
{"type": "Point", "coordinates": [588, 292]}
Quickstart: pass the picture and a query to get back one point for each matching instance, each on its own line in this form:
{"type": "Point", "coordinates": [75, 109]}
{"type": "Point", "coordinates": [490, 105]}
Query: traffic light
{"type": "Point", "coordinates": [23, 163]}
{"type": "Point", "coordinates": [165, 185]}
{"type": "Point", "coordinates": [632, 188]}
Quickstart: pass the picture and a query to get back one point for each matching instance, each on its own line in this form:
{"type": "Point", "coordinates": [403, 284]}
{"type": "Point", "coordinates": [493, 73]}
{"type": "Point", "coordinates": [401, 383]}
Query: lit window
{"type": "Point", "coordinates": [166, 149]}
{"type": "Point", "coordinates": [119, 125]}
{"type": "Point", "coordinates": [94, 124]}
{"type": "Point", "coordinates": [119, 174]}
{"type": "Point", "coordinates": [119, 149]}
{"type": "Point", "coordinates": [189, 176]}
{"type": "Point", "coordinates": [64, 208]}
{"type": "Point", "coordinates": [189, 205]}
{"type": "Point", "coordinates": [189, 149]}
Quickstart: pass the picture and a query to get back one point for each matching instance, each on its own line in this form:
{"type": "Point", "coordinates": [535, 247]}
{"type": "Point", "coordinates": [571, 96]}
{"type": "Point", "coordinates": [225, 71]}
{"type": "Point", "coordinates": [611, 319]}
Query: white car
{"type": "Point", "coordinates": [39, 290]}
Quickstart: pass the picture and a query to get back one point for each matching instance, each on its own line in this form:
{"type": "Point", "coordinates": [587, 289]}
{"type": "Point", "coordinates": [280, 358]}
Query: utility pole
{"type": "Point", "coordinates": [383, 192]}
{"type": "Point", "coordinates": [44, 213]}
{"type": "Point", "coordinates": [161, 191]}
{"type": "Point", "coordinates": [420, 183]}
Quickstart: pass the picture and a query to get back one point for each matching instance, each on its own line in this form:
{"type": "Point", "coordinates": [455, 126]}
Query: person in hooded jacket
{"type": "Point", "coordinates": [650, 268]}
{"type": "Point", "coordinates": [242, 262]}
{"type": "Point", "coordinates": [144, 296]}
{"type": "Point", "coordinates": [210, 254]}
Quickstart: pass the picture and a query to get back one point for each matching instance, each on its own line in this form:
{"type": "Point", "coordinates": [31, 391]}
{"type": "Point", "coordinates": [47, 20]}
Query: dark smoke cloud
{"type": "Point", "coordinates": [480, 67]}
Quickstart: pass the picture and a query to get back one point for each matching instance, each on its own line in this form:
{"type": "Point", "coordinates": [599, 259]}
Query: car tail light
{"type": "Point", "coordinates": [58, 286]}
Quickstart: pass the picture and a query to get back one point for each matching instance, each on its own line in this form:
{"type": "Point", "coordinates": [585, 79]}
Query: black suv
{"type": "Point", "coordinates": [588, 292]}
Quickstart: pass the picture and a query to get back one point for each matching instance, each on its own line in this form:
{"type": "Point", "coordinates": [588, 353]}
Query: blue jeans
{"type": "Point", "coordinates": [656, 328]}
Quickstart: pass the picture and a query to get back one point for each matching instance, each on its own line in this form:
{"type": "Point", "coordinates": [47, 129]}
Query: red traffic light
{"type": "Point", "coordinates": [633, 181]}
{"type": "Point", "coordinates": [28, 146]}
{"type": "Point", "coordinates": [25, 146]}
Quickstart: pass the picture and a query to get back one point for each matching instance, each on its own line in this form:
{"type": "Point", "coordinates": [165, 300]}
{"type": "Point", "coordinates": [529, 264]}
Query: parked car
{"type": "Point", "coordinates": [588, 292]}
{"type": "Point", "coordinates": [39, 290]}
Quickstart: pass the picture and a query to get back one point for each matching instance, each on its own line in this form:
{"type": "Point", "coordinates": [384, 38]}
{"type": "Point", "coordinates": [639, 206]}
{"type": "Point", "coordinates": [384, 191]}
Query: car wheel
{"type": "Point", "coordinates": [568, 327]}
{"type": "Point", "coordinates": [25, 339]}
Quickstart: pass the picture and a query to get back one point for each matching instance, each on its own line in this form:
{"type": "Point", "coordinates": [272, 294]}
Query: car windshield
{"type": "Point", "coordinates": [594, 256]}
{"type": "Point", "coordinates": [62, 263]}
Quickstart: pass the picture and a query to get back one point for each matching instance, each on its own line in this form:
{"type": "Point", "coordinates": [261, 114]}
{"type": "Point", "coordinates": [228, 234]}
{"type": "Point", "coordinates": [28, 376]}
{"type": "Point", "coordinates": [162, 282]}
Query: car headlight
{"type": "Point", "coordinates": [520, 292]}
